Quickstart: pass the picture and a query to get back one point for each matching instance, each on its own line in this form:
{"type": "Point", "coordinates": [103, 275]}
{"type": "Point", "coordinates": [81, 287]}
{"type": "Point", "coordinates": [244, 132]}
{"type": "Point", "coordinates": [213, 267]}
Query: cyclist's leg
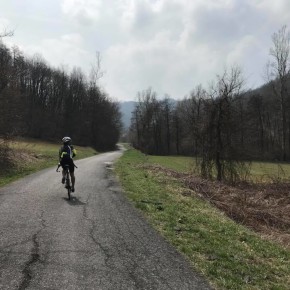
{"type": "Point", "coordinates": [72, 175]}
{"type": "Point", "coordinates": [73, 179]}
{"type": "Point", "coordinates": [63, 173]}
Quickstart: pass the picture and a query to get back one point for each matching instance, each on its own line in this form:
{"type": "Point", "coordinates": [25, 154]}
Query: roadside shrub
{"type": "Point", "coordinates": [6, 162]}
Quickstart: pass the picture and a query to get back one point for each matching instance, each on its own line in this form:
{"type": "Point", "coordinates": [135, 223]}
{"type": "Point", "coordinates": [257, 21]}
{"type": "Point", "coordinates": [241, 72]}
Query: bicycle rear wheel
{"type": "Point", "coordinates": [68, 192]}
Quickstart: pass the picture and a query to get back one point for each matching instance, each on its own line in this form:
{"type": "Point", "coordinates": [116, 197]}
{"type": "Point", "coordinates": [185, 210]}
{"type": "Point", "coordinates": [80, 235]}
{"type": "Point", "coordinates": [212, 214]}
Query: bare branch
{"type": "Point", "coordinates": [96, 71]}
{"type": "Point", "coordinates": [7, 33]}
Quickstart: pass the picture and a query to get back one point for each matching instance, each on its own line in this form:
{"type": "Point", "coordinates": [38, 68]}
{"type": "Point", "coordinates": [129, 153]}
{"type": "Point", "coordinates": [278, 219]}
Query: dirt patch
{"type": "Point", "coordinates": [265, 208]}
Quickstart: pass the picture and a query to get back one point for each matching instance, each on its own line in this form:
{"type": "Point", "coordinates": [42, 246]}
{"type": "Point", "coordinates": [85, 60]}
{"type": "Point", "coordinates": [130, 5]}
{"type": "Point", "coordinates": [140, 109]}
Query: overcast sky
{"type": "Point", "coordinates": [169, 45]}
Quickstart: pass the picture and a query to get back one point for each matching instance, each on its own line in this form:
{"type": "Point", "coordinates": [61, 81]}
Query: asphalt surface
{"type": "Point", "coordinates": [95, 241]}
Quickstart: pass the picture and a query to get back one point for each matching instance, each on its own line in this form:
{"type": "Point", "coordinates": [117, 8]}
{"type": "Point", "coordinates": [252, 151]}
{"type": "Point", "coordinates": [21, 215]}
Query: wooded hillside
{"type": "Point", "coordinates": [225, 121]}
{"type": "Point", "coordinates": [39, 101]}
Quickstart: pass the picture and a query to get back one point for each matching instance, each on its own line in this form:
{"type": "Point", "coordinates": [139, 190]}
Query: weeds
{"type": "Point", "coordinates": [19, 157]}
{"type": "Point", "coordinates": [193, 214]}
{"type": "Point", "coordinates": [6, 160]}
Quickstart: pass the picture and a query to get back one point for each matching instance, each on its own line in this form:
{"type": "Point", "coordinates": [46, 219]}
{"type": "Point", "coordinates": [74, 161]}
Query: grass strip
{"type": "Point", "coordinates": [228, 254]}
{"type": "Point", "coordinates": [259, 171]}
{"type": "Point", "coordinates": [31, 155]}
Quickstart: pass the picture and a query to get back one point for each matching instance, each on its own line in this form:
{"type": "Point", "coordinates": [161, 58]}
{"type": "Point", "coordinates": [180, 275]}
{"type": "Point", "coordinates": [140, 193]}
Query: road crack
{"type": "Point", "coordinates": [92, 229]}
{"type": "Point", "coordinates": [34, 258]}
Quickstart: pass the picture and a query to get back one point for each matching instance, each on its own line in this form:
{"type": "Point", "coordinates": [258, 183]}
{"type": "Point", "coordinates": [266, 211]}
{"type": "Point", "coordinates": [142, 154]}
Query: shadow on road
{"type": "Point", "coordinates": [74, 201]}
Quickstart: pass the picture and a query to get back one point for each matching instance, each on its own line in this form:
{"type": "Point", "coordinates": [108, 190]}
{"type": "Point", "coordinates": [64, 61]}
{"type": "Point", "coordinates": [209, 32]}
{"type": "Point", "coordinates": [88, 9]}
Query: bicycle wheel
{"type": "Point", "coordinates": [68, 192]}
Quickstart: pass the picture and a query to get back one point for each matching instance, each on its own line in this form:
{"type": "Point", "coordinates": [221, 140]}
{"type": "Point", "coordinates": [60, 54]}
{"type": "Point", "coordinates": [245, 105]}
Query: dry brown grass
{"type": "Point", "coordinates": [265, 208]}
{"type": "Point", "coordinates": [12, 158]}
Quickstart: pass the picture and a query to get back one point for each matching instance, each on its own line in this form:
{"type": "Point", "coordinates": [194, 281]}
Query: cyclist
{"type": "Point", "coordinates": [66, 155]}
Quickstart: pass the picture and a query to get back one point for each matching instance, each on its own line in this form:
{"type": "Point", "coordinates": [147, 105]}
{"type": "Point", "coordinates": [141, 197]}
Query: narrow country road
{"type": "Point", "coordinates": [96, 241]}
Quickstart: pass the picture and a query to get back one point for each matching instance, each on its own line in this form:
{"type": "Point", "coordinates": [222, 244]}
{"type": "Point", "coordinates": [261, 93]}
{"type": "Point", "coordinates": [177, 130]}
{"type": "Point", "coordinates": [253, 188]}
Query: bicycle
{"type": "Point", "coordinates": [67, 178]}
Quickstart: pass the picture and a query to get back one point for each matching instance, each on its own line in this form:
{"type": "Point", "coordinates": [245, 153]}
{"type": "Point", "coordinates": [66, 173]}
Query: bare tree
{"type": "Point", "coordinates": [166, 111]}
{"type": "Point", "coordinates": [176, 123]}
{"type": "Point", "coordinates": [279, 74]}
{"type": "Point", "coordinates": [6, 33]}
{"type": "Point", "coordinates": [39, 101]}
{"type": "Point", "coordinates": [96, 70]}
{"type": "Point", "coordinates": [220, 145]}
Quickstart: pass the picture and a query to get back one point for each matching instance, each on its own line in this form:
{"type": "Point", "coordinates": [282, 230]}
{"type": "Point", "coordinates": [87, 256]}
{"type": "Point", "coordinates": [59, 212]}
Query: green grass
{"type": "Point", "coordinates": [33, 155]}
{"type": "Point", "coordinates": [229, 255]}
{"type": "Point", "coordinates": [266, 171]}
{"type": "Point", "coordinates": [178, 163]}
{"type": "Point", "coordinates": [260, 171]}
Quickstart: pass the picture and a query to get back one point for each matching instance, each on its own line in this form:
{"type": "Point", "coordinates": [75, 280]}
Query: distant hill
{"type": "Point", "coordinates": [128, 107]}
{"type": "Point", "coordinates": [126, 110]}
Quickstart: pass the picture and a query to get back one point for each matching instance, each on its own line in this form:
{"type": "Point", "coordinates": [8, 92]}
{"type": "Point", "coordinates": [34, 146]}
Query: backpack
{"type": "Point", "coordinates": [66, 152]}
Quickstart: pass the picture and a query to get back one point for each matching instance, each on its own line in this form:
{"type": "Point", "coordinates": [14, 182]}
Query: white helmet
{"type": "Point", "coordinates": [66, 140]}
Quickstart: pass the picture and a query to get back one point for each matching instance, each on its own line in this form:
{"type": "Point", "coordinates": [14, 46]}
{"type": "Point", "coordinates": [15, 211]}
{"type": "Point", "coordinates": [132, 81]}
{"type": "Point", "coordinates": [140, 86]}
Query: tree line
{"type": "Point", "coordinates": [224, 125]}
{"type": "Point", "coordinates": [39, 101]}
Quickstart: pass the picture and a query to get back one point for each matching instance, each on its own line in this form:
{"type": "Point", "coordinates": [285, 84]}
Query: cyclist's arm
{"type": "Point", "coordinates": [74, 151]}
{"type": "Point", "coordinates": [59, 154]}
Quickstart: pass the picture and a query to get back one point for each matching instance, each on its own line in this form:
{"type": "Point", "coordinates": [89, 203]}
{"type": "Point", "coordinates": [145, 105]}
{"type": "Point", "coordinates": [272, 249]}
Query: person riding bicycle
{"type": "Point", "coordinates": [66, 155]}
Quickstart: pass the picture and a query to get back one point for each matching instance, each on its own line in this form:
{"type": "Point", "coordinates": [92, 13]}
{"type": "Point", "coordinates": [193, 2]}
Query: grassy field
{"type": "Point", "coordinates": [229, 255]}
{"type": "Point", "coordinates": [260, 171]}
{"type": "Point", "coordinates": [30, 155]}
{"type": "Point", "coordinates": [266, 171]}
{"type": "Point", "coordinates": [178, 163]}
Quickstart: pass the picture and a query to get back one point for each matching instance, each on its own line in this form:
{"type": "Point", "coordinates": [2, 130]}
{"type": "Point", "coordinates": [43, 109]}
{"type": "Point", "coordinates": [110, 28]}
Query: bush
{"type": "Point", "coordinates": [6, 161]}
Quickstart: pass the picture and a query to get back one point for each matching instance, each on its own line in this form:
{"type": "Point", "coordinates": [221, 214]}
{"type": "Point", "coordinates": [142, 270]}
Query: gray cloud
{"type": "Point", "coordinates": [171, 45]}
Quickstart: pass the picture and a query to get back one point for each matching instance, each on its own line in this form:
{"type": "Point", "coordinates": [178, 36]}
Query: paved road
{"type": "Point", "coordinates": [95, 241]}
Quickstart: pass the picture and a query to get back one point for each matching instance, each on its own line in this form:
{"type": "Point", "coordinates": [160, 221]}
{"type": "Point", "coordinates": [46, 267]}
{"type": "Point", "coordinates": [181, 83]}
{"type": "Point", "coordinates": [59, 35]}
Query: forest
{"type": "Point", "coordinates": [224, 125]}
{"type": "Point", "coordinates": [39, 101]}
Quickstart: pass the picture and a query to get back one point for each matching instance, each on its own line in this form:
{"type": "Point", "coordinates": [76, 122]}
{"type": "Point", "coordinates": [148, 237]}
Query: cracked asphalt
{"type": "Point", "coordinates": [95, 241]}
